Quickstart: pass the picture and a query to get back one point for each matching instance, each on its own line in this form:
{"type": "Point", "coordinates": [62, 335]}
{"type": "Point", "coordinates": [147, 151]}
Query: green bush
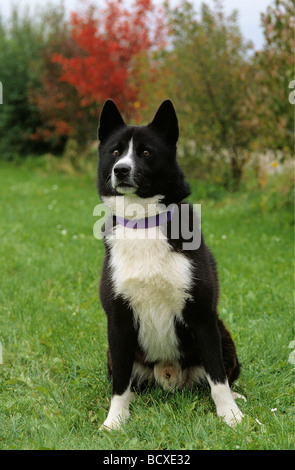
{"type": "Point", "coordinates": [22, 40]}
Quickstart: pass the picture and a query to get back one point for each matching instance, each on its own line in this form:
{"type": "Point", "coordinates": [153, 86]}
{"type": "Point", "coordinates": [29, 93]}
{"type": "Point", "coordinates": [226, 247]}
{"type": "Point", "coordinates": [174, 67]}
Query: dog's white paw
{"type": "Point", "coordinates": [231, 414]}
{"type": "Point", "coordinates": [226, 406]}
{"type": "Point", "coordinates": [114, 422]}
{"type": "Point", "coordinates": [119, 411]}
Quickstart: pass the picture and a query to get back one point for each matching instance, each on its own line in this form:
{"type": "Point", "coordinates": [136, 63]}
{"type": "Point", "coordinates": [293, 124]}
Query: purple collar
{"type": "Point", "coordinates": [147, 222]}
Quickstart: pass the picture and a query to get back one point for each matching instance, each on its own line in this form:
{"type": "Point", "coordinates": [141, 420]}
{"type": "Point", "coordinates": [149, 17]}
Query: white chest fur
{"type": "Point", "coordinates": [155, 280]}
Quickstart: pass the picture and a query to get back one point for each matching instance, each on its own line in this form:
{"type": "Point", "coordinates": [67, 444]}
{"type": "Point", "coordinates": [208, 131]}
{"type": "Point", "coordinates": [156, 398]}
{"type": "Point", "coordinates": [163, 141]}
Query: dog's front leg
{"type": "Point", "coordinates": [122, 340]}
{"type": "Point", "coordinates": [226, 406]}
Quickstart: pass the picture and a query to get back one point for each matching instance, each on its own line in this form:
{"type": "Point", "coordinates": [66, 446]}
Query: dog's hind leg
{"type": "Point", "coordinates": [229, 354]}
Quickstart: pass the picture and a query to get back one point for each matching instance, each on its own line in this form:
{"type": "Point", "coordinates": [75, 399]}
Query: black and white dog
{"type": "Point", "coordinates": [160, 295]}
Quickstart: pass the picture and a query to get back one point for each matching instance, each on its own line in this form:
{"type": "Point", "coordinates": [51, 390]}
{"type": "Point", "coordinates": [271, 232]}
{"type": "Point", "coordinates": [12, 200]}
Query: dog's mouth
{"type": "Point", "coordinates": [130, 185]}
{"type": "Point", "coordinates": [123, 187]}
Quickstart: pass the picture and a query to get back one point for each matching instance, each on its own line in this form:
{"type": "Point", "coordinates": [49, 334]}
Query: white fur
{"type": "Point", "coordinates": [226, 406]}
{"type": "Point", "coordinates": [119, 410]}
{"type": "Point", "coordinates": [129, 160]}
{"type": "Point", "coordinates": [132, 207]}
{"type": "Point", "coordinates": [155, 280]}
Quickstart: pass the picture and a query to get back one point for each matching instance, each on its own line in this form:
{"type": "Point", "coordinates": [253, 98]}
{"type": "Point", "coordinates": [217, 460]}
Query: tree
{"type": "Point", "coordinates": [30, 120]}
{"type": "Point", "coordinates": [273, 68]}
{"type": "Point", "coordinates": [20, 42]}
{"type": "Point", "coordinates": [107, 43]}
{"type": "Point", "coordinates": [58, 102]}
{"type": "Point", "coordinates": [56, 74]}
{"type": "Point", "coordinates": [206, 71]}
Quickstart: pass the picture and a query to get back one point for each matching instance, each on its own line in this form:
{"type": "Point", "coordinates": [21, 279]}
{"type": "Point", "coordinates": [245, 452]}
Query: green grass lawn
{"type": "Point", "coordinates": [53, 380]}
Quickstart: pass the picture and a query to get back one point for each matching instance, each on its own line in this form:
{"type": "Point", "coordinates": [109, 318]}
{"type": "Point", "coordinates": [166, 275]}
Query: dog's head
{"type": "Point", "coordinates": [140, 160]}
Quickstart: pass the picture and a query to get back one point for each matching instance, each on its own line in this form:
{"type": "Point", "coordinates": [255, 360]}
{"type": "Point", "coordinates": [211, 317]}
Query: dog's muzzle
{"type": "Point", "coordinates": [122, 178]}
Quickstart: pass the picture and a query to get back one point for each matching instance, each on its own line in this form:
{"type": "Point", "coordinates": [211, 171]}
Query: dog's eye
{"type": "Point", "coordinates": [116, 153]}
{"type": "Point", "coordinates": [145, 153]}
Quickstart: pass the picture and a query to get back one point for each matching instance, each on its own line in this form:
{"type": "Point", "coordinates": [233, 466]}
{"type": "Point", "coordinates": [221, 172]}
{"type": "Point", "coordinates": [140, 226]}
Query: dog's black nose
{"type": "Point", "coordinates": [122, 170]}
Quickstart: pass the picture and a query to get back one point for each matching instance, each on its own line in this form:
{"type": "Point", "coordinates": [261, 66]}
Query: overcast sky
{"type": "Point", "coordinates": [249, 12]}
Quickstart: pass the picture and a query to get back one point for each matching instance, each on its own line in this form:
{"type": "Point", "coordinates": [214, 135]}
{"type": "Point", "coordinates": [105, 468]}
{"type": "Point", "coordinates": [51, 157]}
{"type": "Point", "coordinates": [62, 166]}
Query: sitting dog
{"type": "Point", "coordinates": [158, 289]}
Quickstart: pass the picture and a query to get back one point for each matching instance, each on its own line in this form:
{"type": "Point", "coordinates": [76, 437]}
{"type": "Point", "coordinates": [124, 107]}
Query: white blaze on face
{"type": "Point", "coordinates": [128, 159]}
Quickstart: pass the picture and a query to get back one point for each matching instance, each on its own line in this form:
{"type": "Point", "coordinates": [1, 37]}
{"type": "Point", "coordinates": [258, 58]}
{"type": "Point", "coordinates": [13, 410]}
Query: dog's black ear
{"type": "Point", "coordinates": [110, 119]}
{"type": "Point", "coordinates": [166, 122]}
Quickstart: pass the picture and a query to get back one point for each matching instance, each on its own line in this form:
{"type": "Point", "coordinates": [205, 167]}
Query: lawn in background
{"type": "Point", "coordinates": [53, 380]}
